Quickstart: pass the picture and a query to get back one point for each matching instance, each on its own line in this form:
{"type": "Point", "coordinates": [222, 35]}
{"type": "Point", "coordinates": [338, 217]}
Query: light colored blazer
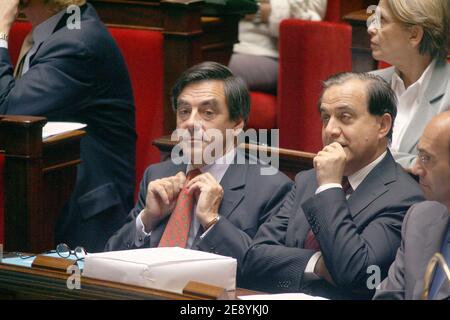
{"type": "Point", "coordinates": [437, 100]}
{"type": "Point", "coordinates": [423, 231]}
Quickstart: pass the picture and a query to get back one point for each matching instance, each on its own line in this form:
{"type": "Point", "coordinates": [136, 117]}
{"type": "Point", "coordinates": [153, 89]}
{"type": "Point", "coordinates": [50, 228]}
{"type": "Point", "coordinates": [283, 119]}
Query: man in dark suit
{"type": "Point", "coordinates": [345, 215]}
{"type": "Point", "coordinates": [426, 229]}
{"type": "Point", "coordinates": [232, 199]}
{"type": "Point", "coordinates": [77, 74]}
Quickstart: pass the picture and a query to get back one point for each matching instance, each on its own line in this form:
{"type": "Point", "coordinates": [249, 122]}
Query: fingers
{"type": "Point", "coordinates": [167, 189]}
{"type": "Point", "coordinates": [204, 182]}
{"type": "Point", "coordinates": [206, 178]}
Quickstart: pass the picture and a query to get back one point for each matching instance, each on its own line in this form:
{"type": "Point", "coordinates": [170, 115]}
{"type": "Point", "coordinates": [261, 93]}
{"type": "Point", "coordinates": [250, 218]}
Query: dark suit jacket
{"type": "Point", "coordinates": [80, 75]}
{"type": "Point", "coordinates": [423, 232]}
{"type": "Point", "coordinates": [353, 234]}
{"type": "Point", "coordinates": [248, 200]}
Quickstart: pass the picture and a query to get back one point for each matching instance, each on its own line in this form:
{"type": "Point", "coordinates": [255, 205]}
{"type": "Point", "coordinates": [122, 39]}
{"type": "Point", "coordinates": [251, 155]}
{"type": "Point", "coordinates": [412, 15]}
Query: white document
{"type": "Point", "coordinates": [168, 269]}
{"type": "Point", "coordinates": [54, 128]}
{"type": "Point", "coordinates": [281, 296]}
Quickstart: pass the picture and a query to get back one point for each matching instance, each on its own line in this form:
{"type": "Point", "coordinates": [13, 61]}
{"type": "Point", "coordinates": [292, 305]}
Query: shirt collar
{"type": "Point", "coordinates": [219, 167]}
{"type": "Point", "coordinates": [420, 85]}
{"type": "Point", "coordinates": [358, 177]}
{"type": "Point", "coordinates": [45, 29]}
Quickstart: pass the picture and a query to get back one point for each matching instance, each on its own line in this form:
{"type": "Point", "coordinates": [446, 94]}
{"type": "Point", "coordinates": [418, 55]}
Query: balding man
{"type": "Point", "coordinates": [426, 229]}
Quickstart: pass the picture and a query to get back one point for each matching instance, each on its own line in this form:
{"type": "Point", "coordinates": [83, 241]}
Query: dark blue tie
{"type": "Point", "coordinates": [439, 275]}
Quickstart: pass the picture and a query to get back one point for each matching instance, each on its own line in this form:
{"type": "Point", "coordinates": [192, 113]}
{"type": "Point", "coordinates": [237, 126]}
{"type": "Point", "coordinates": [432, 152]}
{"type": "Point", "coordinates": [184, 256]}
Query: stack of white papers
{"type": "Point", "coordinates": [54, 128]}
{"type": "Point", "coordinates": [168, 269]}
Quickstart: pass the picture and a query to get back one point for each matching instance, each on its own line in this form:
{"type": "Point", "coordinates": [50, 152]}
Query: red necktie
{"type": "Point", "coordinates": [311, 242]}
{"type": "Point", "coordinates": [177, 229]}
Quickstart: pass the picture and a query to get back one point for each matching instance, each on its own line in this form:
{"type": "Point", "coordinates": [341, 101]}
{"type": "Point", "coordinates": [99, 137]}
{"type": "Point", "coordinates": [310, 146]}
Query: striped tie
{"type": "Point", "coordinates": [177, 229]}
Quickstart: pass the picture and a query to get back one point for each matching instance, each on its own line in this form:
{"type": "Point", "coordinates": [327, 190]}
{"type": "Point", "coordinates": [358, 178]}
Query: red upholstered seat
{"type": "Point", "coordinates": [143, 53]}
{"type": "Point", "coordinates": [2, 198]}
{"type": "Point", "coordinates": [310, 52]}
{"type": "Point", "coordinates": [263, 111]}
{"type": "Point", "coordinates": [18, 32]}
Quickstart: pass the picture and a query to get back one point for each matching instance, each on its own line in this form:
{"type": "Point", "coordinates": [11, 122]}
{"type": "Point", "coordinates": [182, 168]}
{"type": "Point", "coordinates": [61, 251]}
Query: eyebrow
{"type": "Point", "coordinates": [423, 150]}
{"type": "Point", "coordinates": [340, 108]}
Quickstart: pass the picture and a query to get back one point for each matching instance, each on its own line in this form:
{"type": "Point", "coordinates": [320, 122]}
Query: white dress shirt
{"type": "Point", "coordinates": [409, 100]}
{"type": "Point", "coordinates": [355, 180]}
{"type": "Point", "coordinates": [217, 170]}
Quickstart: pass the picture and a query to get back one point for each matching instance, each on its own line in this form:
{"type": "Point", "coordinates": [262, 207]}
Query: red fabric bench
{"type": "Point", "coordinates": [310, 52]}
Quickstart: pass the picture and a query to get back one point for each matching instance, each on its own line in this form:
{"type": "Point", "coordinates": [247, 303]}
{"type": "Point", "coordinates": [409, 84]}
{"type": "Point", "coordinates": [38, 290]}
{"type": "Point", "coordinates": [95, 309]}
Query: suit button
{"type": "Point", "coordinates": [140, 239]}
{"type": "Point", "coordinates": [128, 245]}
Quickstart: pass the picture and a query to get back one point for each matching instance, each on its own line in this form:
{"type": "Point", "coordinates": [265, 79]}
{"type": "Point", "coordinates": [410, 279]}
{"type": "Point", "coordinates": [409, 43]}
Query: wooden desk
{"type": "Point", "coordinates": [189, 37]}
{"type": "Point", "coordinates": [39, 178]}
{"type": "Point", "coordinates": [26, 283]}
{"type": "Point", "coordinates": [291, 161]}
{"type": "Point", "coordinates": [362, 59]}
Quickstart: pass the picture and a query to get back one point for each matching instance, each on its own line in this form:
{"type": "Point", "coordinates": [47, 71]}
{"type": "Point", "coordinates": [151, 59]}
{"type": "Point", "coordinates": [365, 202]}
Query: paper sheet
{"type": "Point", "coordinates": [54, 128]}
{"type": "Point", "coordinates": [281, 296]}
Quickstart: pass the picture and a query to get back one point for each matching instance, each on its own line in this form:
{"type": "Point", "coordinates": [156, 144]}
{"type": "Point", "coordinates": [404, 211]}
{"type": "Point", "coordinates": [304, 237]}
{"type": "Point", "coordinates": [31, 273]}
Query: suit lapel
{"type": "Point", "coordinates": [232, 183]}
{"type": "Point", "coordinates": [438, 226]}
{"type": "Point", "coordinates": [428, 107]}
{"type": "Point", "coordinates": [373, 186]}
{"type": "Point", "coordinates": [444, 290]}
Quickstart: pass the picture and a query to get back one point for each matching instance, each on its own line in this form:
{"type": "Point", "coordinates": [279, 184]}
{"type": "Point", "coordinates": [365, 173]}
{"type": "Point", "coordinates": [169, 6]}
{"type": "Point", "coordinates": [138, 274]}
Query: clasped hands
{"type": "Point", "coordinates": [162, 196]}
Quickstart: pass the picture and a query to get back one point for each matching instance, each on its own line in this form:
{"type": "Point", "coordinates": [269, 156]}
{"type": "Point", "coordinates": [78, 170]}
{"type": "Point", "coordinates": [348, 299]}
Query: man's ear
{"type": "Point", "coordinates": [416, 36]}
{"type": "Point", "coordinates": [238, 127]}
{"type": "Point", "coordinates": [385, 125]}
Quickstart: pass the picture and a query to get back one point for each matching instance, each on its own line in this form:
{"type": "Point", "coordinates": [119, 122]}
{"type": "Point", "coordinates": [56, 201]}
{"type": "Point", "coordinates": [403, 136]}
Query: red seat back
{"type": "Point", "coordinates": [310, 52]}
{"type": "Point", "coordinates": [334, 13]}
{"type": "Point", "coordinates": [143, 53]}
{"type": "Point", "coordinates": [18, 33]}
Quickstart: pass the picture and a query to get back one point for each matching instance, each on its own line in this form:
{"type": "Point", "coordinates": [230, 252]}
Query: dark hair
{"type": "Point", "coordinates": [381, 98]}
{"type": "Point", "coordinates": [235, 89]}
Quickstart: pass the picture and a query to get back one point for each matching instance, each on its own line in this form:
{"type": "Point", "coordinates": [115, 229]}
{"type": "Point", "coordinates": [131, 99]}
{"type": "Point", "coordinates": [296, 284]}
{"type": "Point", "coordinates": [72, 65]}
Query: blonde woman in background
{"type": "Point", "coordinates": [413, 37]}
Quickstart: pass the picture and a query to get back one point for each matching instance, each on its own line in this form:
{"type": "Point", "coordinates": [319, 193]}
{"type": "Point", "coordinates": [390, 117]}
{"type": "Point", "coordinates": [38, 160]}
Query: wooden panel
{"type": "Point", "coordinates": [26, 283]}
{"type": "Point", "coordinates": [291, 161]}
{"type": "Point", "coordinates": [39, 178]}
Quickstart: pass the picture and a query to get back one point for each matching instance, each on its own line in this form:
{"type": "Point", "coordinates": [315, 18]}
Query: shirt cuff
{"type": "Point", "coordinates": [309, 274]}
{"type": "Point", "coordinates": [210, 228]}
{"type": "Point", "coordinates": [3, 44]}
{"type": "Point", "coordinates": [327, 186]}
{"type": "Point", "coordinates": [141, 235]}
